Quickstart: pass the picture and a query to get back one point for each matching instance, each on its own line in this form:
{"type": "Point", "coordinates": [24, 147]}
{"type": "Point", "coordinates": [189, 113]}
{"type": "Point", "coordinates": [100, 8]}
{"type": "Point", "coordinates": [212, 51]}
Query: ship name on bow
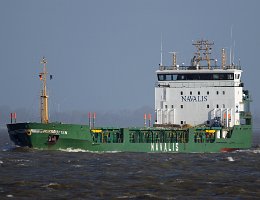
{"type": "Point", "coordinates": [58, 132]}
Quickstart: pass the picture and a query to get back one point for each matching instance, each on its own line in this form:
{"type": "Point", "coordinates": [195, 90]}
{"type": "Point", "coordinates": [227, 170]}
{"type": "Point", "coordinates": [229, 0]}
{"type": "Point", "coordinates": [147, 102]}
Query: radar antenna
{"type": "Point", "coordinates": [203, 52]}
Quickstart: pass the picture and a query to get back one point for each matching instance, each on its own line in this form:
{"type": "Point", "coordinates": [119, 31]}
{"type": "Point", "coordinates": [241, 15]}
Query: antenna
{"type": "Point", "coordinates": [161, 50]}
{"type": "Point", "coordinates": [231, 37]}
{"type": "Point", "coordinates": [234, 44]}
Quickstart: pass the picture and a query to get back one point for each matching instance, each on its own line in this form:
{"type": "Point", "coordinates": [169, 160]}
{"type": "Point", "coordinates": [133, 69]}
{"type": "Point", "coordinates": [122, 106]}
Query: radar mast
{"type": "Point", "coordinates": [203, 52]}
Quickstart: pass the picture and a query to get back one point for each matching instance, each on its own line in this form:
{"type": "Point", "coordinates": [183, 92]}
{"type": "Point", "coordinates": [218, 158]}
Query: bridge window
{"type": "Point", "coordinates": [168, 77]}
{"type": "Point", "coordinates": [237, 76]}
{"type": "Point", "coordinates": [161, 77]}
{"type": "Point", "coordinates": [230, 76]}
{"type": "Point", "coordinates": [174, 77]}
{"type": "Point", "coordinates": [197, 76]}
{"type": "Point", "coordinates": [215, 76]}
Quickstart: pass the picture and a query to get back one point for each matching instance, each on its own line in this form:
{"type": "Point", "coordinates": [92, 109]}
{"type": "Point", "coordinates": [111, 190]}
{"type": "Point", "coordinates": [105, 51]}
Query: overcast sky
{"type": "Point", "coordinates": [103, 54]}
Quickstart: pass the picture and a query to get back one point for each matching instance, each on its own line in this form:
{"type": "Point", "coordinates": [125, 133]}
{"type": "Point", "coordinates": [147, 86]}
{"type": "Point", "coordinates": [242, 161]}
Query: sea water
{"type": "Point", "coordinates": [74, 174]}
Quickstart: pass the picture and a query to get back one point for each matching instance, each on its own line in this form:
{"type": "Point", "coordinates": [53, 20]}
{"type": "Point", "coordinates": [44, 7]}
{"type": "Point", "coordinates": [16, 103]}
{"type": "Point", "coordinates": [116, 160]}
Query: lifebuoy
{"type": "Point", "coordinates": [29, 132]}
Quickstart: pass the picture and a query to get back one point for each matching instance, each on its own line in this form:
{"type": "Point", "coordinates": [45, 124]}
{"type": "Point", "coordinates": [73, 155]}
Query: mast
{"type": "Point", "coordinates": [44, 96]}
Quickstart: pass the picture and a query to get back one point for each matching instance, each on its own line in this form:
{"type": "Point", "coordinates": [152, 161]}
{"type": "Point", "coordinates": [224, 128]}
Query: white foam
{"type": "Point", "coordinates": [256, 151]}
{"type": "Point", "coordinates": [250, 150]}
{"type": "Point", "coordinates": [72, 150]}
{"type": "Point", "coordinates": [22, 160]}
{"type": "Point", "coordinates": [126, 197]}
{"type": "Point", "coordinates": [77, 166]}
{"type": "Point", "coordinates": [5, 149]}
{"type": "Point", "coordinates": [51, 185]}
{"type": "Point", "coordinates": [111, 151]}
{"type": "Point", "coordinates": [230, 159]}
{"type": "Point", "coordinates": [82, 150]}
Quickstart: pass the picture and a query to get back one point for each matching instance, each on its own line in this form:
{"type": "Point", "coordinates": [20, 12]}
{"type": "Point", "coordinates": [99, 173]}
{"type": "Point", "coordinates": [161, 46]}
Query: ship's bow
{"type": "Point", "coordinates": [20, 134]}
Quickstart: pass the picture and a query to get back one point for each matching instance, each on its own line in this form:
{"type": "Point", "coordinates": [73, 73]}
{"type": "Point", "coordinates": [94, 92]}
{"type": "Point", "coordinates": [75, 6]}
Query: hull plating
{"type": "Point", "coordinates": [54, 136]}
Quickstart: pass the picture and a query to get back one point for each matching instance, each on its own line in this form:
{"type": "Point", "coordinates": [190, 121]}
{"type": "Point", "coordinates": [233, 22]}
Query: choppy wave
{"type": "Point", "coordinates": [142, 196]}
{"type": "Point", "coordinates": [7, 146]}
{"type": "Point", "coordinates": [62, 175]}
{"type": "Point", "coordinates": [52, 185]}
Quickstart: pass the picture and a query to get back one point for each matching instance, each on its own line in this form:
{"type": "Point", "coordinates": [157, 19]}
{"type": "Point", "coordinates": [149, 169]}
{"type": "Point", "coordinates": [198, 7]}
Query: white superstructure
{"type": "Point", "coordinates": [196, 94]}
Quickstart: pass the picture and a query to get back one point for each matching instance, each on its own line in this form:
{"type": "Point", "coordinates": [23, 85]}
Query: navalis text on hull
{"type": "Point", "coordinates": [199, 108]}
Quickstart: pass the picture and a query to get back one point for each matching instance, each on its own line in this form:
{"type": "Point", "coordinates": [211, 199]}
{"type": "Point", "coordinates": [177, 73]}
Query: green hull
{"type": "Point", "coordinates": [56, 136]}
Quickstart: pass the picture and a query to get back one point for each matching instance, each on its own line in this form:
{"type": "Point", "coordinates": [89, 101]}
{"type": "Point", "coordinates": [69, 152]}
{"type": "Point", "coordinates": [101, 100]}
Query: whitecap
{"type": "Point", "coordinates": [126, 197]}
{"type": "Point", "coordinates": [250, 150]}
{"type": "Point", "coordinates": [51, 185]}
{"type": "Point", "coordinates": [21, 164]}
{"type": "Point", "coordinates": [112, 151]}
{"type": "Point", "coordinates": [151, 196]}
{"type": "Point", "coordinates": [179, 180]}
{"type": "Point", "coordinates": [6, 149]}
{"type": "Point", "coordinates": [77, 166]}
{"type": "Point", "coordinates": [73, 150]}
{"type": "Point", "coordinates": [22, 160]}
{"type": "Point", "coordinates": [256, 151]}
{"type": "Point", "coordinates": [230, 159]}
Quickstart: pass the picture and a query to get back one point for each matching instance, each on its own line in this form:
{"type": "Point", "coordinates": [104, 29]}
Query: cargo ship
{"type": "Point", "coordinates": [201, 107]}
